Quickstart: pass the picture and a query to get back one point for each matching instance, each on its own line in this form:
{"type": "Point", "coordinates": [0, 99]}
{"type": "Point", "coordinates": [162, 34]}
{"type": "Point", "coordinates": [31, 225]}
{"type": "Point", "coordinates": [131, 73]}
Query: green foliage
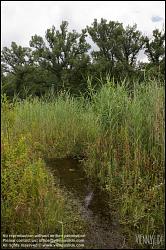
{"type": "Point", "coordinates": [128, 156]}
{"type": "Point", "coordinates": [29, 197]}
{"type": "Point", "coordinates": [118, 47]}
{"type": "Point", "coordinates": [68, 124]}
{"type": "Point", "coordinates": [16, 61]}
{"type": "Point", "coordinates": [64, 55]}
{"type": "Point", "coordinates": [107, 38]}
{"type": "Point", "coordinates": [120, 133]}
{"type": "Point", "coordinates": [155, 47]}
{"type": "Point", "coordinates": [132, 42]}
{"type": "Point", "coordinates": [116, 125]}
{"type": "Point", "coordinates": [62, 59]}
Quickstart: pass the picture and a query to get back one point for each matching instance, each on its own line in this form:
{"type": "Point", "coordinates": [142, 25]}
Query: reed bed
{"type": "Point", "coordinates": [120, 135]}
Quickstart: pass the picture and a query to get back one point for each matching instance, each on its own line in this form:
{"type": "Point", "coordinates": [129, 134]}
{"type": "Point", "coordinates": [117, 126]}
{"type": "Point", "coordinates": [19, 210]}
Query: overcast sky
{"type": "Point", "coordinates": [22, 19]}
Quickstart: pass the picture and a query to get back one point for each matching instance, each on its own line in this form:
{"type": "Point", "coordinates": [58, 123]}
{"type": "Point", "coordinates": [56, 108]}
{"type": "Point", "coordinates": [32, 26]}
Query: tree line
{"type": "Point", "coordinates": [64, 59]}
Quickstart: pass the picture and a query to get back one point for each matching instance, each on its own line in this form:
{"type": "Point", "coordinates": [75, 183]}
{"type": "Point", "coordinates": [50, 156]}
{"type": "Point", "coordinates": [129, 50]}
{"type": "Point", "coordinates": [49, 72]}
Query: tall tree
{"type": "Point", "coordinates": [106, 37]}
{"type": "Point", "coordinates": [155, 47]}
{"type": "Point", "coordinates": [63, 53]}
{"type": "Point", "coordinates": [16, 61]}
{"type": "Point", "coordinates": [132, 42]}
{"type": "Point", "coordinates": [15, 57]}
{"type": "Point", "coordinates": [19, 71]}
{"type": "Point", "coordinates": [117, 47]}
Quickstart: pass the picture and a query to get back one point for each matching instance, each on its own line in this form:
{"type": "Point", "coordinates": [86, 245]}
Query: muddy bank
{"type": "Point", "coordinates": [103, 229]}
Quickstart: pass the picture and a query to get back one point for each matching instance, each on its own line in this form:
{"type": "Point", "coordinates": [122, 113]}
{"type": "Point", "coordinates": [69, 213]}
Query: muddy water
{"type": "Point", "coordinates": [104, 231]}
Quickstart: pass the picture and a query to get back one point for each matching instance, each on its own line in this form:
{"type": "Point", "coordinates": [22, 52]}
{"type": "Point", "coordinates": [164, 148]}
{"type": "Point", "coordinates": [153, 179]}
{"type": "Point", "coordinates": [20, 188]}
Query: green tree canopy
{"type": "Point", "coordinates": [63, 53]}
{"type": "Point", "coordinates": [155, 47]}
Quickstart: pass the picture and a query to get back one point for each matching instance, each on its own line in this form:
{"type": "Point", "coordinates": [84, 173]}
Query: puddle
{"type": "Point", "coordinates": [71, 175]}
{"type": "Point", "coordinates": [103, 228]}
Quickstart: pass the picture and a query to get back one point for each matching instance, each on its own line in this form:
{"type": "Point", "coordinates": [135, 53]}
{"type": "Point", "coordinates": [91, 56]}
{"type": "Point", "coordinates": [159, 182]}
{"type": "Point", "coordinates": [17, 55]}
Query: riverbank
{"type": "Point", "coordinates": [119, 135]}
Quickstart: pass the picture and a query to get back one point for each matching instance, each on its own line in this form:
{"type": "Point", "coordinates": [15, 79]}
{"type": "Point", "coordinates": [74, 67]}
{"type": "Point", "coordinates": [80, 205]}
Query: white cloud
{"type": "Point", "coordinates": [22, 19]}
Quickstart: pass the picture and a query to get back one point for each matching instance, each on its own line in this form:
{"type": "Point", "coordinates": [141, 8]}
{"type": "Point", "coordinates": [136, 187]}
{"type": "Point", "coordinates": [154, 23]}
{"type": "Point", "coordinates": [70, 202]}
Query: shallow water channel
{"type": "Point", "coordinates": [104, 231]}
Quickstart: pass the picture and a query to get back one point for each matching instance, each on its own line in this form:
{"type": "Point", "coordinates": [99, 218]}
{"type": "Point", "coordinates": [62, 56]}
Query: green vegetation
{"type": "Point", "coordinates": [103, 106]}
{"type": "Point", "coordinates": [32, 201]}
{"type": "Point", "coordinates": [64, 59]}
{"type": "Point", "coordinates": [118, 131]}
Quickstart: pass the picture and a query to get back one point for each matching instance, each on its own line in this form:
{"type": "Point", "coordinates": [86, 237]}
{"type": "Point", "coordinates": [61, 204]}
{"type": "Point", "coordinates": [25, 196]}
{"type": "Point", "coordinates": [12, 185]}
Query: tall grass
{"type": "Point", "coordinates": [62, 126]}
{"type": "Point", "coordinates": [128, 156]}
{"type": "Point", "coordinates": [119, 133]}
{"type": "Point", "coordinates": [29, 197]}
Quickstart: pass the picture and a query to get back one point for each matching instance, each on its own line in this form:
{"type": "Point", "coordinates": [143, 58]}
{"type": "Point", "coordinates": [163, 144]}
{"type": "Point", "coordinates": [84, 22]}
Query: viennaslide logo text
{"type": "Point", "coordinates": [147, 239]}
